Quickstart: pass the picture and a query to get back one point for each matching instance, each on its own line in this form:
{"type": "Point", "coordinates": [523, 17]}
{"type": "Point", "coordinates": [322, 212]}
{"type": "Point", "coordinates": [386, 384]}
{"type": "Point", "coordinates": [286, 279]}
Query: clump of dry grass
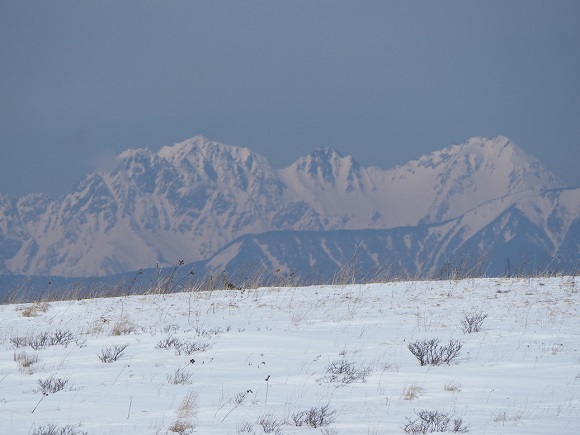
{"type": "Point", "coordinates": [34, 309]}
{"type": "Point", "coordinates": [26, 361]}
{"type": "Point", "coordinates": [188, 406]}
{"type": "Point", "coordinates": [452, 385]}
{"type": "Point", "coordinates": [412, 392]}
{"type": "Point", "coordinates": [186, 415]}
{"type": "Point", "coordinates": [181, 427]}
{"type": "Point", "coordinates": [124, 327]}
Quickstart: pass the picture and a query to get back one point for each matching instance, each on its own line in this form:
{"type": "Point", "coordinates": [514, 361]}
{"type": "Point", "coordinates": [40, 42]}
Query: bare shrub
{"type": "Point", "coordinates": [112, 353]}
{"type": "Point", "coordinates": [81, 342]}
{"type": "Point", "coordinates": [472, 322]}
{"type": "Point", "coordinates": [245, 427]}
{"type": "Point", "coordinates": [182, 427]}
{"type": "Point", "coordinates": [212, 332]}
{"type": "Point", "coordinates": [241, 396]}
{"type": "Point", "coordinates": [434, 421]}
{"type": "Point", "coordinates": [430, 352]}
{"type": "Point", "coordinates": [180, 376]}
{"type": "Point", "coordinates": [317, 416]}
{"type": "Point", "coordinates": [189, 347]}
{"type": "Point", "coordinates": [61, 338]}
{"type": "Point", "coordinates": [345, 372]}
{"type": "Point", "coordinates": [503, 417]}
{"type": "Point", "coordinates": [18, 341]}
{"type": "Point", "coordinates": [389, 367]}
{"type": "Point", "coordinates": [412, 392]}
{"type": "Point", "coordinates": [53, 429]}
{"type": "Point", "coordinates": [167, 343]}
{"type": "Point", "coordinates": [182, 347]}
{"type": "Point", "coordinates": [170, 328]}
{"type": "Point", "coordinates": [40, 340]}
{"type": "Point", "coordinates": [51, 385]}
{"type": "Point", "coordinates": [269, 423]}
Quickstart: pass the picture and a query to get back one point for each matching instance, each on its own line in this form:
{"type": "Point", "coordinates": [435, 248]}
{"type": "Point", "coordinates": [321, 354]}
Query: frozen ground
{"type": "Point", "coordinates": [261, 357]}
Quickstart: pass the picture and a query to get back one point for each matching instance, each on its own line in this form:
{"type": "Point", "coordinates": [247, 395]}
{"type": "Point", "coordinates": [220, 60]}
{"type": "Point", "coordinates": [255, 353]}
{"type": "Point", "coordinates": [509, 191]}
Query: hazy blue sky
{"type": "Point", "coordinates": [383, 81]}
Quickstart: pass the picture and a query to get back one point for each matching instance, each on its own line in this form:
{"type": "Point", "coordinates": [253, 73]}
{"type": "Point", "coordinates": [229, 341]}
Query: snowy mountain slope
{"type": "Point", "coordinates": [184, 202]}
{"type": "Point", "coordinates": [12, 232]}
{"type": "Point", "coordinates": [228, 362]}
{"type": "Point", "coordinates": [435, 188]}
{"type": "Point", "coordinates": [468, 175]}
{"type": "Point", "coordinates": [189, 200]}
{"type": "Point", "coordinates": [490, 237]}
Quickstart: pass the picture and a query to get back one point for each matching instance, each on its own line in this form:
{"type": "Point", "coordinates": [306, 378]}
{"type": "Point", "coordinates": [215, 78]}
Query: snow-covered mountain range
{"type": "Point", "coordinates": [200, 200]}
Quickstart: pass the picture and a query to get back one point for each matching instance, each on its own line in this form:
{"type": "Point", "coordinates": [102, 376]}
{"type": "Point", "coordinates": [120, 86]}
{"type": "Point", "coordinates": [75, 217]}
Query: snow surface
{"type": "Point", "coordinates": [519, 374]}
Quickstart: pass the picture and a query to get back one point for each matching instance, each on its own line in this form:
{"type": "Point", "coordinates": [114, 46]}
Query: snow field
{"type": "Point", "coordinates": [227, 362]}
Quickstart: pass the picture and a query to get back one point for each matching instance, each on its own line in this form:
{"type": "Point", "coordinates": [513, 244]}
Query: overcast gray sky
{"type": "Point", "coordinates": [384, 81]}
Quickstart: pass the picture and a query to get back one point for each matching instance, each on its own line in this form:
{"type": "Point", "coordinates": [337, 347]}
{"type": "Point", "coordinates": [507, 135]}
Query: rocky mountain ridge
{"type": "Point", "coordinates": [190, 200]}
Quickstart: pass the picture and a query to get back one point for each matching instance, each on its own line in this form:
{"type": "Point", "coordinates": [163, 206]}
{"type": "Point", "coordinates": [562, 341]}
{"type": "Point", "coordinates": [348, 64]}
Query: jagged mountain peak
{"type": "Point", "coordinates": [215, 160]}
{"type": "Point", "coordinates": [136, 154]}
{"type": "Point", "coordinates": [326, 165]}
{"type": "Point", "coordinates": [320, 155]}
{"type": "Point", "coordinates": [499, 150]}
{"type": "Point", "coordinates": [482, 148]}
{"type": "Point", "coordinates": [326, 153]}
{"type": "Point", "coordinates": [202, 147]}
{"type": "Point", "coordinates": [483, 160]}
{"type": "Point", "coordinates": [196, 144]}
{"type": "Point", "coordinates": [463, 176]}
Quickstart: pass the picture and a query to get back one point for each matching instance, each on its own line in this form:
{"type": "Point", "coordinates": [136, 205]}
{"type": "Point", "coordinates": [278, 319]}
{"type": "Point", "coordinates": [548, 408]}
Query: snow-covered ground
{"type": "Point", "coordinates": [261, 357]}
